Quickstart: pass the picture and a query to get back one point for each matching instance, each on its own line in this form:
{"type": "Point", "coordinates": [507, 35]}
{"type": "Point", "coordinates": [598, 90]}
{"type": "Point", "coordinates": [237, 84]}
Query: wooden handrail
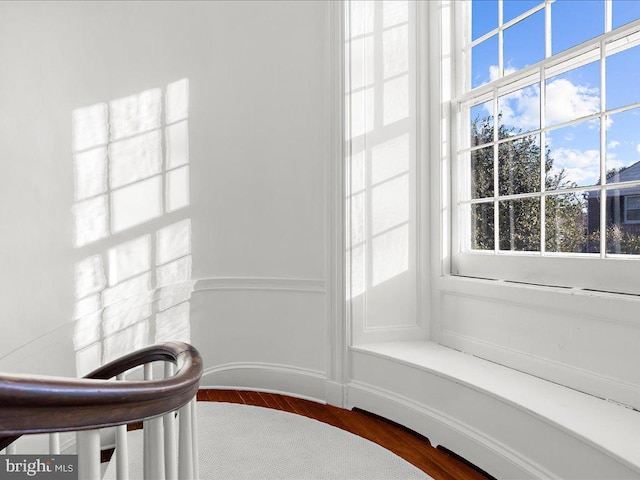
{"type": "Point", "coordinates": [39, 404]}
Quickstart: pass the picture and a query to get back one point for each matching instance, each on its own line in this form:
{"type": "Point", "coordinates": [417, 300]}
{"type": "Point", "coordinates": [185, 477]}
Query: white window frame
{"type": "Point", "coordinates": [601, 271]}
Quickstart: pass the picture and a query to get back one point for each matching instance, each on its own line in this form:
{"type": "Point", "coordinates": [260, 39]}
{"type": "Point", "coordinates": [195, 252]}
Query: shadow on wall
{"type": "Point", "coordinates": [133, 284]}
{"type": "Point", "coordinates": [381, 136]}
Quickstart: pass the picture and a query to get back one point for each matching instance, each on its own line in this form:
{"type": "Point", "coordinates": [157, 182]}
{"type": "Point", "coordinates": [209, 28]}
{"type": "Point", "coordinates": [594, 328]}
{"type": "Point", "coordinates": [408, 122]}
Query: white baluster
{"type": "Point", "coordinates": [88, 443]}
{"type": "Point", "coordinates": [153, 445]}
{"type": "Point", "coordinates": [156, 450]}
{"type": "Point", "coordinates": [11, 449]}
{"type": "Point", "coordinates": [122, 449]}
{"type": "Point", "coordinates": [54, 444]}
{"type": "Point", "coordinates": [194, 441]}
{"type": "Point", "coordinates": [171, 465]}
{"type": "Point", "coordinates": [185, 443]}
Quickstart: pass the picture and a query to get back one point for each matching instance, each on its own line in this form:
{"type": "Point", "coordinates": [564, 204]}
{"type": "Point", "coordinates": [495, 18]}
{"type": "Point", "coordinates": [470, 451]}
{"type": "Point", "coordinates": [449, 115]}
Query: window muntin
{"type": "Point", "coordinates": [577, 111]}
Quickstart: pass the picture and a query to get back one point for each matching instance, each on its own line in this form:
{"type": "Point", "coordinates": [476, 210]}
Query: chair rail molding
{"type": "Point", "coordinates": [308, 285]}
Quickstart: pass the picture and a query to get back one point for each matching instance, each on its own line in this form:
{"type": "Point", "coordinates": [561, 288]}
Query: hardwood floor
{"type": "Point", "coordinates": [405, 443]}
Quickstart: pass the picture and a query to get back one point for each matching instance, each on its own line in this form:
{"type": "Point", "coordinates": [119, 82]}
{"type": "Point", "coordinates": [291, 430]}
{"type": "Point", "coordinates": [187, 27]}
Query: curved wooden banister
{"type": "Point", "coordinates": [39, 404]}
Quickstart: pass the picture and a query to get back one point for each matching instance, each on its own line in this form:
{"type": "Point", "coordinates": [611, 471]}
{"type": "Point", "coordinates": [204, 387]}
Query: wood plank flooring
{"type": "Point", "coordinates": [405, 443]}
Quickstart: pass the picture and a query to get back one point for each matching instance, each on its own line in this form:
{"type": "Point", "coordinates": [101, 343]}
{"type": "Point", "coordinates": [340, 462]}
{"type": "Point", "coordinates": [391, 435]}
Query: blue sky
{"type": "Point", "coordinates": [570, 95]}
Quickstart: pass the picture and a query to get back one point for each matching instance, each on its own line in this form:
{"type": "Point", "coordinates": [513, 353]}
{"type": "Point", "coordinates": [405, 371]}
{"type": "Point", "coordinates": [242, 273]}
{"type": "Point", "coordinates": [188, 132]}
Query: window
{"type": "Point", "coordinates": [632, 209]}
{"type": "Point", "coordinates": [546, 118]}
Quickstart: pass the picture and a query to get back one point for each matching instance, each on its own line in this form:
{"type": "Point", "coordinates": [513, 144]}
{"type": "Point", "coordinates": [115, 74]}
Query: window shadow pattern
{"type": "Point", "coordinates": [133, 281]}
{"type": "Point", "coordinates": [380, 170]}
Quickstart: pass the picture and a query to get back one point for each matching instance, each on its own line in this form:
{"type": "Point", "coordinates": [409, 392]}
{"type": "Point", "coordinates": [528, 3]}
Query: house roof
{"type": "Point", "coordinates": [627, 175]}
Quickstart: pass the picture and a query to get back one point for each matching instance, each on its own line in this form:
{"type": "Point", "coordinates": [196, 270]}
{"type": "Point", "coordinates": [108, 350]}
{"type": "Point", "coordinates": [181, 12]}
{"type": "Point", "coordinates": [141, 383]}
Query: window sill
{"type": "Point", "coordinates": [609, 427]}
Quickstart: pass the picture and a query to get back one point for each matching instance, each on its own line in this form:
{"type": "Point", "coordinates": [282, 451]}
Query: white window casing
{"type": "Point", "coordinates": [601, 270]}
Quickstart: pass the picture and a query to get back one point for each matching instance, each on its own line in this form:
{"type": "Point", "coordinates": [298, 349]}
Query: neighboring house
{"type": "Point", "coordinates": [622, 211]}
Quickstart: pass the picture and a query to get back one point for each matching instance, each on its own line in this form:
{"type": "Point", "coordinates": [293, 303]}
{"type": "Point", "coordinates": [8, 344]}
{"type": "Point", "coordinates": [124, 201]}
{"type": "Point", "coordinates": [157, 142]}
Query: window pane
{"type": "Point", "coordinates": [593, 221]}
{"type": "Point", "coordinates": [481, 118]}
{"type": "Point", "coordinates": [524, 43]}
{"type": "Point", "coordinates": [623, 149]}
{"type": "Point", "coordinates": [519, 166]}
{"type": "Point", "coordinates": [623, 77]}
{"type": "Point", "coordinates": [625, 11]}
{"type": "Point", "coordinates": [484, 16]}
{"type": "Point", "coordinates": [512, 8]}
{"type": "Point", "coordinates": [482, 173]}
{"type": "Point", "coordinates": [623, 221]}
{"type": "Point", "coordinates": [574, 22]}
{"type": "Point", "coordinates": [566, 218]}
{"type": "Point", "coordinates": [520, 224]}
{"type": "Point", "coordinates": [519, 111]}
{"type": "Point", "coordinates": [573, 94]}
{"type": "Point", "coordinates": [573, 158]}
{"type": "Point", "coordinates": [484, 62]}
{"type": "Point", "coordinates": [633, 203]}
{"type": "Point", "coordinates": [482, 226]}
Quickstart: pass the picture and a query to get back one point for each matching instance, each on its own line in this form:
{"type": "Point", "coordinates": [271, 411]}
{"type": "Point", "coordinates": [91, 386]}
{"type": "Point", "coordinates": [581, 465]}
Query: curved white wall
{"type": "Point", "coordinates": [259, 142]}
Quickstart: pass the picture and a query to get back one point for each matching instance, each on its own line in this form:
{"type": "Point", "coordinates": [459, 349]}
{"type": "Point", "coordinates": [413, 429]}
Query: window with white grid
{"type": "Point", "coordinates": [547, 140]}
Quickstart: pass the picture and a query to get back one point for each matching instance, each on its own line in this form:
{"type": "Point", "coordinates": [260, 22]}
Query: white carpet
{"type": "Point", "coordinates": [241, 442]}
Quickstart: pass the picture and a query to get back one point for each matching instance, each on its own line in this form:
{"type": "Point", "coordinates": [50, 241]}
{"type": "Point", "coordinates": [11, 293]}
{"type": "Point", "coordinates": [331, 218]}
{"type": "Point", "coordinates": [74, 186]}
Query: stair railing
{"type": "Point", "coordinates": [39, 404]}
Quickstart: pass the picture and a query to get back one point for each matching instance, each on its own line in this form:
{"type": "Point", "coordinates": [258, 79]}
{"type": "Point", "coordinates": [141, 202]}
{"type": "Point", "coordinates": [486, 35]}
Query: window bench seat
{"type": "Point", "coordinates": [511, 424]}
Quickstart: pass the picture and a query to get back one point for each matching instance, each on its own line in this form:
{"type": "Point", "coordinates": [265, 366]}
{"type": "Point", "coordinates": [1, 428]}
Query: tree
{"type": "Point", "coordinates": [519, 173]}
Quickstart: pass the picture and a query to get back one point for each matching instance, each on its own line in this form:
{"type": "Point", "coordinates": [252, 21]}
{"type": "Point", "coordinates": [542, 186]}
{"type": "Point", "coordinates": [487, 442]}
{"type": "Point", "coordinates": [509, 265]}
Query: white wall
{"type": "Point", "coordinates": [258, 77]}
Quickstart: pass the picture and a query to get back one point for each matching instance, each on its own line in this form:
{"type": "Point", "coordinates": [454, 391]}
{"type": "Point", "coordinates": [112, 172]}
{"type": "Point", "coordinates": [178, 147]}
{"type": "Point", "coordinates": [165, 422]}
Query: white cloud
{"type": "Point", "coordinates": [638, 148]}
{"type": "Point", "coordinates": [566, 101]}
{"type": "Point", "coordinates": [613, 144]}
{"type": "Point", "coordinates": [614, 162]}
{"type": "Point", "coordinates": [521, 108]}
{"type": "Point", "coordinates": [581, 167]}
{"type": "Point", "coordinates": [608, 122]}
{"type": "Point", "coordinates": [494, 72]}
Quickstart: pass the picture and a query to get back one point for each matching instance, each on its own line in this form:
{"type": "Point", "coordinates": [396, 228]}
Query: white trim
{"type": "Point", "coordinates": [310, 285]}
{"type": "Point", "coordinates": [570, 376]}
{"type": "Point", "coordinates": [514, 392]}
{"type": "Point", "coordinates": [335, 213]}
{"type": "Point", "coordinates": [469, 288]}
{"type": "Point", "coordinates": [423, 165]}
{"type": "Point", "coordinates": [505, 458]}
{"type": "Point", "coordinates": [274, 367]}
{"type": "Point", "coordinates": [269, 377]}
{"type": "Point", "coordinates": [613, 274]}
{"type": "Point", "coordinates": [336, 394]}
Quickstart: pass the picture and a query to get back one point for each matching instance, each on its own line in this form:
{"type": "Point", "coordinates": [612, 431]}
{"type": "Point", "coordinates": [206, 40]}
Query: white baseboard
{"type": "Point", "coordinates": [444, 430]}
{"type": "Point", "coordinates": [268, 377]}
{"type": "Point", "coordinates": [335, 393]}
{"type": "Point", "coordinates": [512, 425]}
